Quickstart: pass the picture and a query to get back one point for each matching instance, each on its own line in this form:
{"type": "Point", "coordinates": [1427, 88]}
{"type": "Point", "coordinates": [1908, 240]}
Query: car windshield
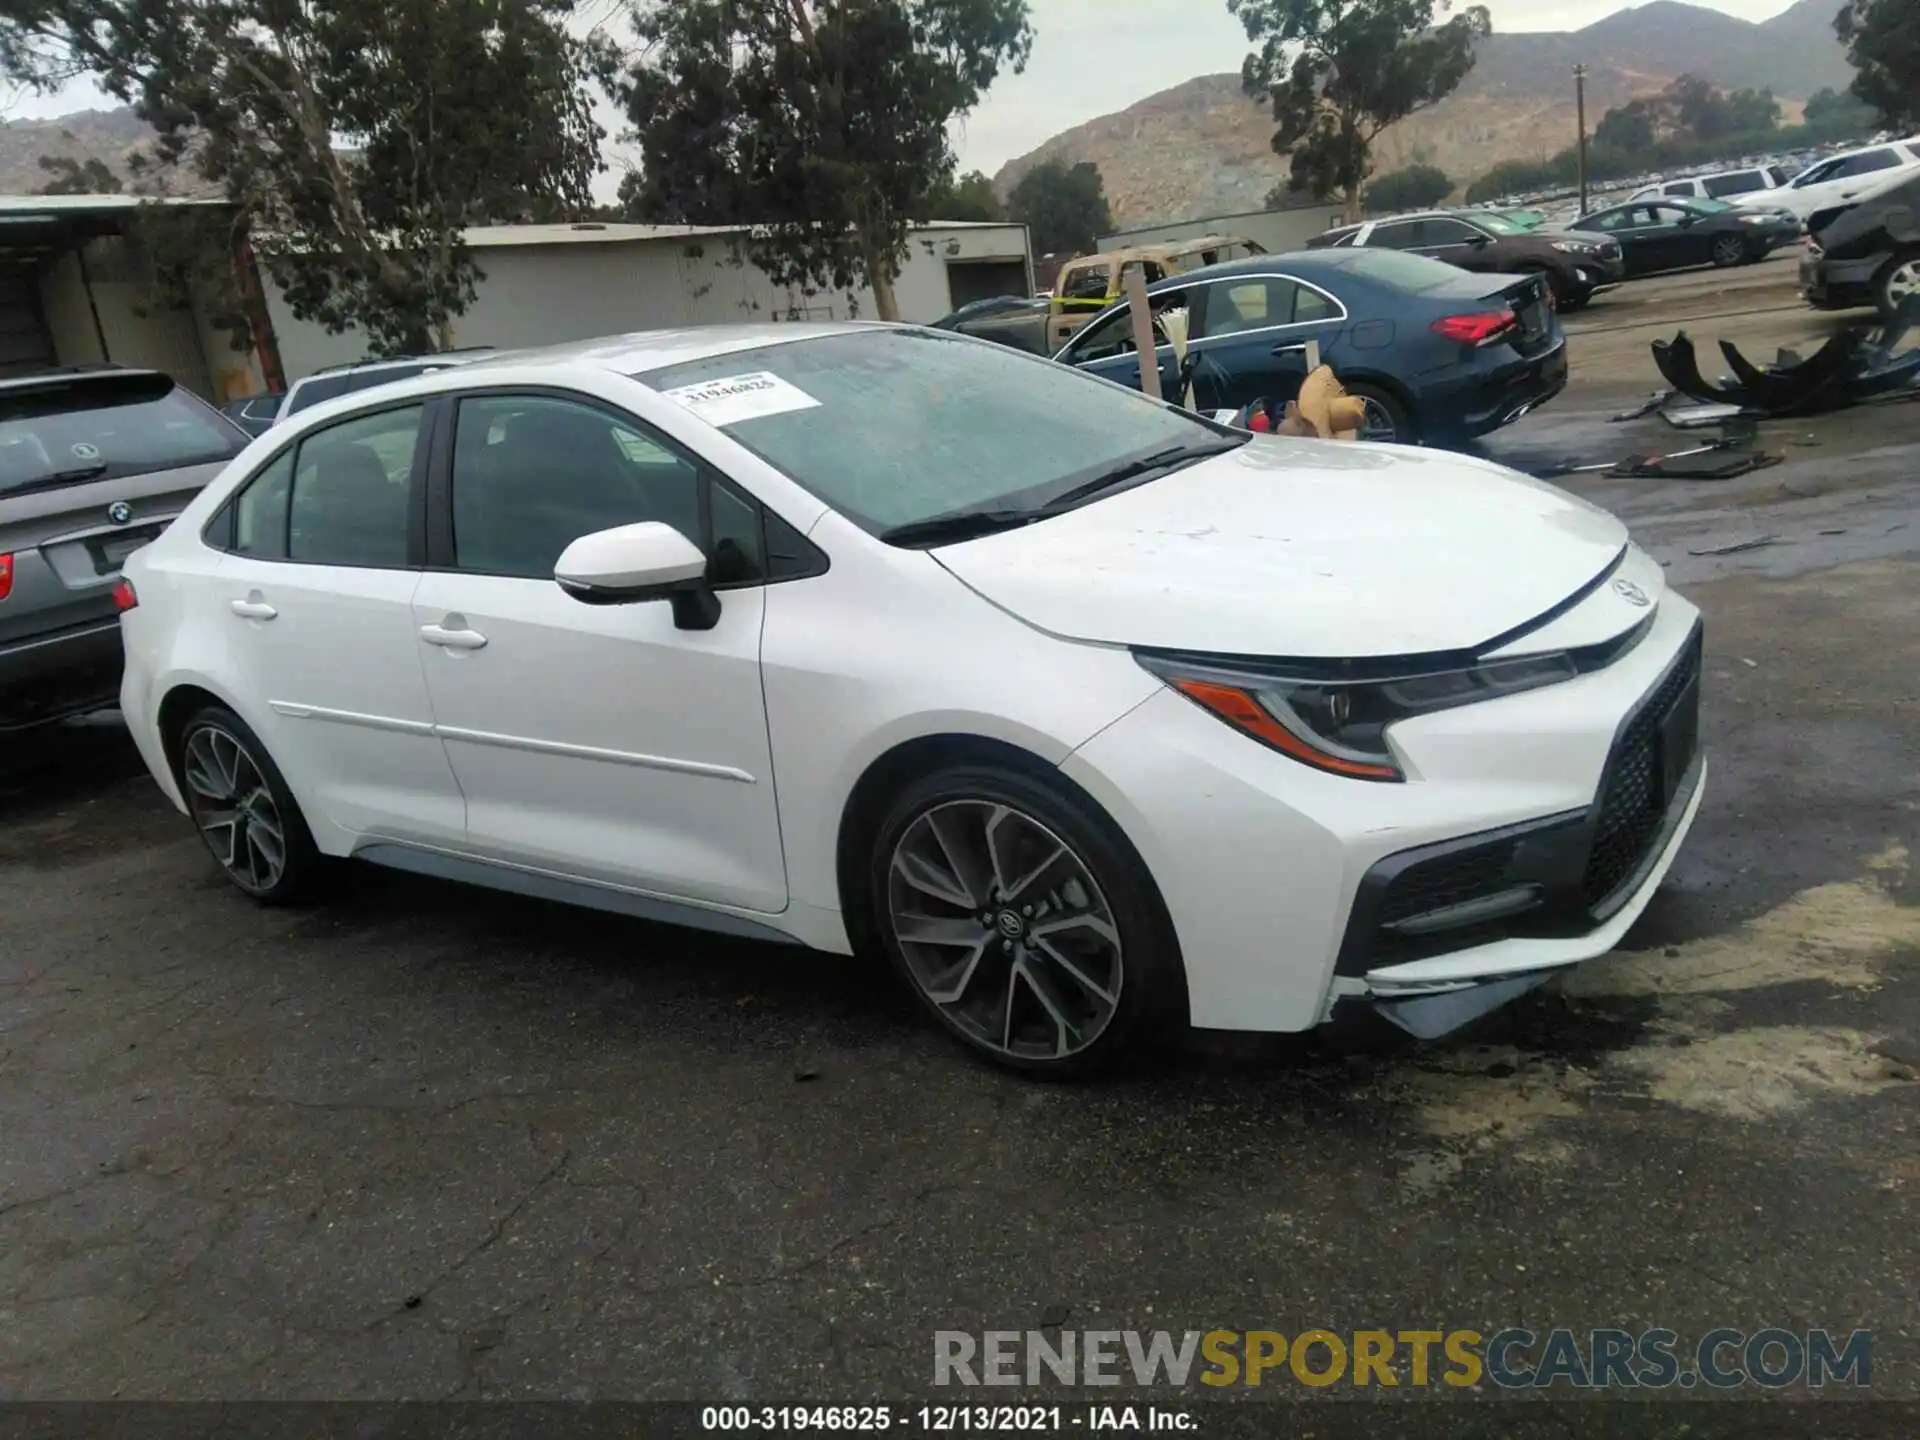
{"type": "Point", "coordinates": [1499, 224]}
{"type": "Point", "coordinates": [896, 427]}
{"type": "Point", "coordinates": [70, 431]}
{"type": "Point", "coordinates": [1709, 207]}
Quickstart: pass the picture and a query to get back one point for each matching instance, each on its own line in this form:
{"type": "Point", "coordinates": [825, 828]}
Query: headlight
{"type": "Point", "coordinates": [1573, 247]}
{"type": "Point", "coordinates": [1339, 724]}
{"type": "Point", "coordinates": [1758, 220]}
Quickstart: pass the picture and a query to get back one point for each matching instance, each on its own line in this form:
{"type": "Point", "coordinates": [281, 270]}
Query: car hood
{"type": "Point", "coordinates": [1301, 548]}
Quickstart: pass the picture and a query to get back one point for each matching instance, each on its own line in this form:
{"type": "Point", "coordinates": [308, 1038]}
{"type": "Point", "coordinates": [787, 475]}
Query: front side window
{"type": "Point", "coordinates": [1457, 232]}
{"type": "Point", "coordinates": [890, 427]}
{"type": "Point", "coordinates": [532, 474]}
{"type": "Point", "coordinates": [350, 486]}
{"type": "Point", "coordinates": [1827, 170]}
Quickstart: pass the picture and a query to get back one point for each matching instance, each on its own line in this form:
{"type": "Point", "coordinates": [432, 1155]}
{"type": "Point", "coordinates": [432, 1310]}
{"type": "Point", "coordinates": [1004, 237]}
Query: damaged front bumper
{"type": "Point", "coordinates": [1443, 934]}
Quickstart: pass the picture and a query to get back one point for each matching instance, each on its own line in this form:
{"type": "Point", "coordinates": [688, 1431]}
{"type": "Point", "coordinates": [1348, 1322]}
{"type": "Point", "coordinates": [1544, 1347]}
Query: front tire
{"type": "Point", "coordinates": [1730, 250]}
{"type": "Point", "coordinates": [1023, 920]}
{"type": "Point", "coordinates": [1898, 283]}
{"type": "Point", "coordinates": [243, 809]}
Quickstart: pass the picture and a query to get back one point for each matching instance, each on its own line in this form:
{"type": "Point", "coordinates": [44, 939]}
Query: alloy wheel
{"type": "Point", "coordinates": [233, 805]}
{"type": "Point", "coordinates": [1377, 424]}
{"type": "Point", "coordinates": [1005, 930]}
{"type": "Point", "coordinates": [1903, 284]}
{"type": "Point", "coordinates": [1729, 250]}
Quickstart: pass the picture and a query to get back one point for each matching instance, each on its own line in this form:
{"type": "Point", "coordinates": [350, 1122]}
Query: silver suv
{"type": "Point", "coordinates": [94, 463]}
{"type": "Point", "coordinates": [334, 381]}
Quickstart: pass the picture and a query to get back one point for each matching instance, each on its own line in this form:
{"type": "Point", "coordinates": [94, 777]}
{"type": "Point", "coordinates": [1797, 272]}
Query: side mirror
{"type": "Point", "coordinates": [633, 564]}
{"type": "Point", "coordinates": [1479, 241]}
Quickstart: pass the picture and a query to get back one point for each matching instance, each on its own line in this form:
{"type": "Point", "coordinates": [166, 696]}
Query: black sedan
{"type": "Point", "coordinates": [1438, 354]}
{"type": "Point", "coordinates": [1670, 234]}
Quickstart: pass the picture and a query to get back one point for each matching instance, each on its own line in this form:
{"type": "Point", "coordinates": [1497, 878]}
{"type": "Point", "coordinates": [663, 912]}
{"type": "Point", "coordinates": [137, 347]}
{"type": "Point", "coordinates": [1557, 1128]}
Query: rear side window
{"type": "Point", "coordinates": [69, 432]}
{"type": "Point", "coordinates": [1741, 182]}
{"type": "Point", "coordinates": [349, 504]}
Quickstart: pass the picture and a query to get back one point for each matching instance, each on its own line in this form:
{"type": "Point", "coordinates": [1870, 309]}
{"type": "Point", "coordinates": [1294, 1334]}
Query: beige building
{"type": "Point", "coordinates": [544, 284]}
{"type": "Point", "coordinates": [76, 288]}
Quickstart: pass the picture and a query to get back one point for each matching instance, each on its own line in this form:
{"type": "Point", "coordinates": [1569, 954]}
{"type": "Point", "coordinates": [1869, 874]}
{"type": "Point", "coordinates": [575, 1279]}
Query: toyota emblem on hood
{"type": "Point", "coordinates": [119, 512]}
{"type": "Point", "coordinates": [1632, 593]}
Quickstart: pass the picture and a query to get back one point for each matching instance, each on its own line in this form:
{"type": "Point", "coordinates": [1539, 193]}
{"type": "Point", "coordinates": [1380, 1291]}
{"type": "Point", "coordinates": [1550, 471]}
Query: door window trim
{"type": "Point", "coordinates": [219, 532]}
{"type": "Point", "coordinates": [438, 556]}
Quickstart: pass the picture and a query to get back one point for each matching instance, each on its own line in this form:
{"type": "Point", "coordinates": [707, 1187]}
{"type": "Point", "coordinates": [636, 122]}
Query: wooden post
{"type": "Point", "coordinates": [1142, 311]}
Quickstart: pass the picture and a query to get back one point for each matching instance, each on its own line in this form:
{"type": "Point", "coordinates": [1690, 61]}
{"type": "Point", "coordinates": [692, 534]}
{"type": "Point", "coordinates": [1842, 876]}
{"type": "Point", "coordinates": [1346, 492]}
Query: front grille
{"type": "Point", "coordinates": [1639, 781]}
{"type": "Point", "coordinates": [1443, 881]}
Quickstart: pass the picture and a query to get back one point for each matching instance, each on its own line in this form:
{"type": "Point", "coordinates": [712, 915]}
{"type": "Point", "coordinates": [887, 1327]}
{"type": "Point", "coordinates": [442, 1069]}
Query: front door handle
{"type": "Point", "coordinates": [446, 639]}
{"type": "Point", "coordinates": [1280, 350]}
{"type": "Point", "coordinates": [253, 608]}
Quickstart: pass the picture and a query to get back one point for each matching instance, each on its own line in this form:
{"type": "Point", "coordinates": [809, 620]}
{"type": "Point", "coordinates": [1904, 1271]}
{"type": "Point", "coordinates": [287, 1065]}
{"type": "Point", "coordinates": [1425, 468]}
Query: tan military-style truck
{"type": "Point", "coordinates": [1086, 286]}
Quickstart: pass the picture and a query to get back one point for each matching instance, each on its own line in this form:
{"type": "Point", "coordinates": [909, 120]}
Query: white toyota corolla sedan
{"type": "Point", "coordinates": [1089, 713]}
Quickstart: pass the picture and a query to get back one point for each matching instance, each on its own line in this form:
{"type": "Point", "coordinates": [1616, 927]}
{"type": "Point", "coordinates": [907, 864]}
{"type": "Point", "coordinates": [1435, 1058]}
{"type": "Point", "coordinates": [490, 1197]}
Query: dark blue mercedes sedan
{"type": "Point", "coordinates": [1438, 354]}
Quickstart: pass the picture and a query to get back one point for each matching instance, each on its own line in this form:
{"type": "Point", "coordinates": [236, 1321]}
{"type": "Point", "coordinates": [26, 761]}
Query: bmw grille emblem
{"type": "Point", "coordinates": [119, 512]}
{"type": "Point", "coordinates": [1632, 593]}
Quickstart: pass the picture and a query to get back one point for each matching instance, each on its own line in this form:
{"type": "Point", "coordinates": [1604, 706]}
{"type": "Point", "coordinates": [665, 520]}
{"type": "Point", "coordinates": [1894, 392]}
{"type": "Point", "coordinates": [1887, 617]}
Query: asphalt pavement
{"type": "Point", "coordinates": [428, 1142]}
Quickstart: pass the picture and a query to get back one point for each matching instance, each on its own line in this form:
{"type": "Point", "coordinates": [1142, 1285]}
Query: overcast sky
{"type": "Point", "coordinates": [1091, 57]}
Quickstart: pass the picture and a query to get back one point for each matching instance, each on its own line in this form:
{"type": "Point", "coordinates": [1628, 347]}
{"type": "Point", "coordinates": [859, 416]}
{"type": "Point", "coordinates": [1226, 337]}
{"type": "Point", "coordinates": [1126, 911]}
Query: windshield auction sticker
{"type": "Point", "coordinates": [733, 398]}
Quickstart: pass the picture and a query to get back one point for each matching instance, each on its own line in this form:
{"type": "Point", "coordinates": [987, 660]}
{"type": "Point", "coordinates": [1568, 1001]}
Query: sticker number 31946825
{"type": "Point", "coordinates": [733, 398]}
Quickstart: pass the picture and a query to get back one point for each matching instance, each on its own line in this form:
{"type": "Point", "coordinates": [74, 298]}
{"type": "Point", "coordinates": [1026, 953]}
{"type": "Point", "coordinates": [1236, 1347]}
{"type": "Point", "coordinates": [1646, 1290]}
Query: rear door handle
{"type": "Point", "coordinates": [254, 608]}
{"type": "Point", "coordinates": [1280, 350]}
{"type": "Point", "coordinates": [452, 639]}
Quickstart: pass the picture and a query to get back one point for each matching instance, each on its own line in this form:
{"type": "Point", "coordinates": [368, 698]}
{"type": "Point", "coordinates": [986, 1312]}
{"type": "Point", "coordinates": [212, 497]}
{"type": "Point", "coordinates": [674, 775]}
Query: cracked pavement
{"type": "Point", "coordinates": [426, 1142]}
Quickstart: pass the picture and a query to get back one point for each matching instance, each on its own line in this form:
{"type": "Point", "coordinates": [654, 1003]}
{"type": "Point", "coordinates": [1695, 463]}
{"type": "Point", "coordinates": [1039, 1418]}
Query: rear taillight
{"type": "Point", "coordinates": [1478, 329]}
{"type": "Point", "coordinates": [6, 576]}
{"type": "Point", "coordinates": [123, 597]}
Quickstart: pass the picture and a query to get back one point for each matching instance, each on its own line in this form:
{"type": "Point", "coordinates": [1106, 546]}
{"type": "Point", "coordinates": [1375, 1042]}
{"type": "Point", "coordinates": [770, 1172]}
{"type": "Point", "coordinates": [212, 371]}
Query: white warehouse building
{"type": "Point", "coordinates": [544, 284]}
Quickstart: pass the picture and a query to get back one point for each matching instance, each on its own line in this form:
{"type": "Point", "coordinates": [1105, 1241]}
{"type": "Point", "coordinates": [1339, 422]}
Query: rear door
{"type": "Point", "coordinates": [1254, 336]}
{"type": "Point", "coordinates": [315, 600]}
{"type": "Point", "coordinates": [93, 466]}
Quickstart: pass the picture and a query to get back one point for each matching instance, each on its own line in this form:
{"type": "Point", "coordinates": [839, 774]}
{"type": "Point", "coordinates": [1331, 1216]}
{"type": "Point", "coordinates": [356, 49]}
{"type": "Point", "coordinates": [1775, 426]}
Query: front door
{"type": "Point", "coordinates": [316, 604]}
{"type": "Point", "coordinates": [597, 742]}
{"type": "Point", "coordinates": [1107, 348]}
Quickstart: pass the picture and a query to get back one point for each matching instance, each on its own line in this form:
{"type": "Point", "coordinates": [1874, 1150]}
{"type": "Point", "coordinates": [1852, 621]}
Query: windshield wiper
{"type": "Point", "coordinates": [967, 524]}
{"type": "Point", "coordinates": [1134, 470]}
{"type": "Point", "coordinates": [960, 525]}
{"type": "Point", "coordinates": [59, 478]}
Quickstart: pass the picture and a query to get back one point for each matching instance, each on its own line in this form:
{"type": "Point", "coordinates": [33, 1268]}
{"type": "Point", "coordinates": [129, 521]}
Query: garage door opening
{"type": "Point", "coordinates": [971, 280]}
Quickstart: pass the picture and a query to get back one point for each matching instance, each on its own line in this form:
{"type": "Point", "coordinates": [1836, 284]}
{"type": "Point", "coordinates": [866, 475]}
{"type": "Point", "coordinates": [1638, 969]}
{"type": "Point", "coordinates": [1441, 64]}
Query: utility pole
{"type": "Point", "coordinates": [1580, 103]}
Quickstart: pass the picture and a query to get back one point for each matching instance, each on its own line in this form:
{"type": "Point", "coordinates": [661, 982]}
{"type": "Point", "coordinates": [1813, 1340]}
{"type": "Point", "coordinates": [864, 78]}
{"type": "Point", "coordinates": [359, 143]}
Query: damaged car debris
{"type": "Point", "coordinates": [1860, 364]}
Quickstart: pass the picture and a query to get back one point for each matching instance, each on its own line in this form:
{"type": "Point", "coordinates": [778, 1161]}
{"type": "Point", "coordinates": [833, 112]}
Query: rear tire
{"type": "Point", "coordinates": [244, 811]}
{"type": "Point", "coordinates": [1385, 411]}
{"type": "Point", "coordinates": [1022, 920]}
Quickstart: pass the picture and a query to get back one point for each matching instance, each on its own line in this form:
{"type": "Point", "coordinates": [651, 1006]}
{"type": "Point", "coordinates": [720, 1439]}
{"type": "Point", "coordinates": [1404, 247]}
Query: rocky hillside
{"type": "Point", "coordinates": [110, 136]}
{"type": "Point", "coordinates": [1204, 148]}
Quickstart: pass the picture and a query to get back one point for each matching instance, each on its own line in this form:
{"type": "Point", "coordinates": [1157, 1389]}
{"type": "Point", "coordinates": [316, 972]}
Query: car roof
{"type": "Point", "coordinates": [644, 350]}
{"type": "Point", "coordinates": [62, 374]}
{"type": "Point", "coordinates": [1306, 263]}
